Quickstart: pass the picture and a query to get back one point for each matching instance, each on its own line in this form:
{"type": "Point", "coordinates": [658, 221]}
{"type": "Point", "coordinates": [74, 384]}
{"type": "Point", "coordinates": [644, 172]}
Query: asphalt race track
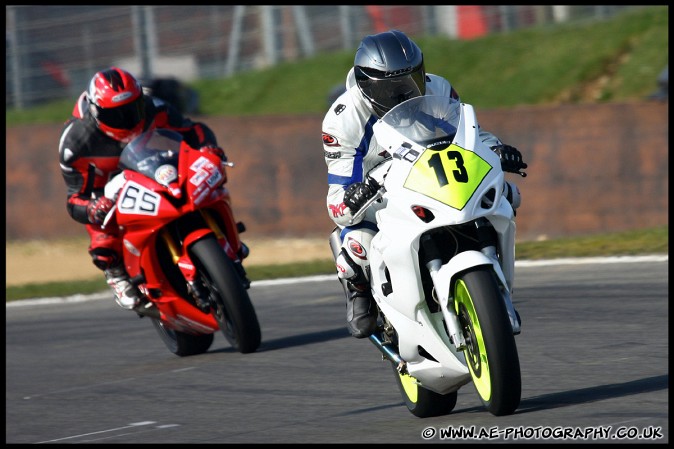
{"type": "Point", "coordinates": [593, 352]}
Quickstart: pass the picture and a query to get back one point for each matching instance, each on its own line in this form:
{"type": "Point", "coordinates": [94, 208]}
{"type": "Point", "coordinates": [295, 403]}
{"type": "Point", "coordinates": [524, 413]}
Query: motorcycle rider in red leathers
{"type": "Point", "coordinates": [388, 69]}
{"type": "Point", "coordinates": [108, 115]}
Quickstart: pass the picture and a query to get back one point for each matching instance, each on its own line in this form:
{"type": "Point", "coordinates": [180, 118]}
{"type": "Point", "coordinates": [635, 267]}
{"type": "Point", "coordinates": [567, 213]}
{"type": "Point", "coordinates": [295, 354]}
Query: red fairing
{"type": "Point", "coordinates": [187, 186]}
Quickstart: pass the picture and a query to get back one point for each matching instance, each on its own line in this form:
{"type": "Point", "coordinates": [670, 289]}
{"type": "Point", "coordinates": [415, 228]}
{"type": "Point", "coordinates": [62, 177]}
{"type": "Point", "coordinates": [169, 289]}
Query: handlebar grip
{"type": "Point", "coordinates": [108, 217]}
{"type": "Point", "coordinates": [367, 204]}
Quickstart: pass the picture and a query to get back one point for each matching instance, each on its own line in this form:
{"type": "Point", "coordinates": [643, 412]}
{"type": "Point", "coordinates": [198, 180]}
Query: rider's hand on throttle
{"type": "Point", "coordinates": [98, 209]}
{"type": "Point", "coordinates": [357, 194]}
{"type": "Point", "coordinates": [511, 159]}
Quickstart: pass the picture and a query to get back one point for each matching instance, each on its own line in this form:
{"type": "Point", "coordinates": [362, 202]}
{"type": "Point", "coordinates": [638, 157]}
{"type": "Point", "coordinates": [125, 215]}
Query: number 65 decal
{"type": "Point", "coordinates": [136, 199]}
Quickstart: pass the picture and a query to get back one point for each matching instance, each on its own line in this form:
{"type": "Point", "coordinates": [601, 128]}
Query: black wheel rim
{"type": "Point", "coordinates": [472, 351]}
{"type": "Point", "coordinates": [219, 310]}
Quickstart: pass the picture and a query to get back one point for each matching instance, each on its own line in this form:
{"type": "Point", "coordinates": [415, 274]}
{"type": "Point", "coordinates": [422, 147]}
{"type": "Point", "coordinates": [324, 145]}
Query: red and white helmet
{"type": "Point", "coordinates": [116, 103]}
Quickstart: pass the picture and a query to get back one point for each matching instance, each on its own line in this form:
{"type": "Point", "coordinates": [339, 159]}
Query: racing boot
{"type": "Point", "coordinates": [127, 295]}
{"type": "Point", "coordinates": [361, 311]}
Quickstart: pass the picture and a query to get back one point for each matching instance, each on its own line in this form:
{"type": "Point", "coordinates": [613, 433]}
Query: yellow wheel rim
{"type": "Point", "coordinates": [409, 384]}
{"type": "Point", "coordinates": [475, 352]}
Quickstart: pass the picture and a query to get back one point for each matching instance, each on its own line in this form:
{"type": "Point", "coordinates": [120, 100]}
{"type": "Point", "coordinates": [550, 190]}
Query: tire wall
{"type": "Point", "coordinates": [592, 168]}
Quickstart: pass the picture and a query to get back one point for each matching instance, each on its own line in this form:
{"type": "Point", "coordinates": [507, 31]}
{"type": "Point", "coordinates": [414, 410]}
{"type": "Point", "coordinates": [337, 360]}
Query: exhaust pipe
{"type": "Point", "coordinates": [389, 353]}
{"type": "Point", "coordinates": [147, 309]}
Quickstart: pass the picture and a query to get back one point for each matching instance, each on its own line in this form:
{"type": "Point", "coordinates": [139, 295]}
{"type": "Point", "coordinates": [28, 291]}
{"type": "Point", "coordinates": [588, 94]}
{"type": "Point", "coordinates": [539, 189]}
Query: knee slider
{"type": "Point", "coordinates": [349, 270]}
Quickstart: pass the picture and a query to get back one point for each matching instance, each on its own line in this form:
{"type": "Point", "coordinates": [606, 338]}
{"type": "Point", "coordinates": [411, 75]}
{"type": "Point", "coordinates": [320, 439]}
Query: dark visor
{"type": "Point", "coordinates": [390, 92]}
{"type": "Point", "coordinates": [121, 117]}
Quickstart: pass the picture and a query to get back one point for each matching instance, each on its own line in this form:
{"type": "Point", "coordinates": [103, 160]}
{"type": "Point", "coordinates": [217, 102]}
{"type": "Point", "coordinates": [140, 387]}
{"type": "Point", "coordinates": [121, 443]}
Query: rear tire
{"type": "Point", "coordinates": [230, 303]}
{"type": "Point", "coordinates": [180, 343]}
{"type": "Point", "coordinates": [491, 353]}
{"type": "Point", "coordinates": [422, 402]}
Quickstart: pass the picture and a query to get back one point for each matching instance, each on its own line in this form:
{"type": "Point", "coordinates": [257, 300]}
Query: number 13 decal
{"type": "Point", "coordinates": [460, 173]}
{"type": "Point", "coordinates": [443, 175]}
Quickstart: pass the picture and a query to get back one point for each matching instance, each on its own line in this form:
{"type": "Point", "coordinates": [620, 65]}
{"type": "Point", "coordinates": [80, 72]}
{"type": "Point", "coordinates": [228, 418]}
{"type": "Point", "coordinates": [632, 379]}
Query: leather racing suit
{"type": "Point", "coordinates": [88, 160]}
{"type": "Point", "coordinates": [350, 151]}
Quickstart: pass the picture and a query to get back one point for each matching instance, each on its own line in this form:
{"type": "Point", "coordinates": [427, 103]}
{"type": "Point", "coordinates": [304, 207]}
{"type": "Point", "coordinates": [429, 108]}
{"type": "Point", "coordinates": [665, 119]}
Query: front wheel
{"type": "Point", "coordinates": [421, 402]}
{"type": "Point", "coordinates": [491, 353]}
{"type": "Point", "coordinates": [230, 303]}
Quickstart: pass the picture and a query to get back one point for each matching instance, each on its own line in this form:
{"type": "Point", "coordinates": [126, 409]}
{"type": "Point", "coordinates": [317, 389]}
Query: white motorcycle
{"type": "Point", "coordinates": [442, 263]}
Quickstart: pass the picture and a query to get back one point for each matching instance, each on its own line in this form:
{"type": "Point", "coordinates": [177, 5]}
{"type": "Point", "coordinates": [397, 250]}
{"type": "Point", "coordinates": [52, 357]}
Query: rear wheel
{"type": "Point", "coordinates": [180, 343]}
{"type": "Point", "coordinates": [230, 303]}
{"type": "Point", "coordinates": [491, 353]}
{"type": "Point", "coordinates": [422, 402]}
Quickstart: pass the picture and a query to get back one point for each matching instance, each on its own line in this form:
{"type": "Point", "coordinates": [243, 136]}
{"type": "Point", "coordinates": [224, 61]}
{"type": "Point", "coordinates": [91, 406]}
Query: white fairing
{"type": "Point", "coordinates": [396, 246]}
{"type": "Point", "coordinates": [114, 185]}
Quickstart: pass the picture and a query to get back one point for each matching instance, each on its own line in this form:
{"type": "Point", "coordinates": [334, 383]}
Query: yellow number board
{"type": "Point", "coordinates": [450, 175]}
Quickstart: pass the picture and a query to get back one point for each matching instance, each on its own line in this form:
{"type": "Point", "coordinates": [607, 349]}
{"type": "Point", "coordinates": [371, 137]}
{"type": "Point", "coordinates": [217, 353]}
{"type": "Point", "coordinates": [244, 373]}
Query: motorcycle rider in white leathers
{"type": "Point", "coordinates": [388, 69]}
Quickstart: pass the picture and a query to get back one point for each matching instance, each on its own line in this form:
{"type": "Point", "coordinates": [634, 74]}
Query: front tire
{"type": "Point", "coordinates": [230, 303]}
{"type": "Point", "coordinates": [491, 353]}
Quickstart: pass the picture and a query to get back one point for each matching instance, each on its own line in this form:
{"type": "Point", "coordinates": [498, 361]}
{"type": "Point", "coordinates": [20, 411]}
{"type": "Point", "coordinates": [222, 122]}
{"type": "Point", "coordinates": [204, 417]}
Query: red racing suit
{"type": "Point", "coordinates": [89, 158]}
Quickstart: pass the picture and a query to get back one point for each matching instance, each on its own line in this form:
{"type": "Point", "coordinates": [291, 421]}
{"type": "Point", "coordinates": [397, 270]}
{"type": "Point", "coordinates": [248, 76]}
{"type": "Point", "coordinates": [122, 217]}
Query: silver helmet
{"type": "Point", "coordinates": [389, 69]}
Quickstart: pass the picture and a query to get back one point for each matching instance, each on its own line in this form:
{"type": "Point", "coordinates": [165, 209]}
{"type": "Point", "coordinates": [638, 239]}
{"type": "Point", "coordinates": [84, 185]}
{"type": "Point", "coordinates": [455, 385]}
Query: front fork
{"type": "Point", "coordinates": [451, 318]}
{"type": "Point", "coordinates": [487, 238]}
{"type": "Point", "coordinates": [187, 268]}
{"type": "Point", "coordinates": [443, 293]}
{"type": "Point", "coordinates": [181, 258]}
{"type": "Point", "coordinates": [514, 317]}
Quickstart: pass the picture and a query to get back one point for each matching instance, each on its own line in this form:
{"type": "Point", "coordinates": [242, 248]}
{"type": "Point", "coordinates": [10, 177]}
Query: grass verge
{"type": "Point", "coordinates": [643, 241]}
{"type": "Point", "coordinates": [620, 60]}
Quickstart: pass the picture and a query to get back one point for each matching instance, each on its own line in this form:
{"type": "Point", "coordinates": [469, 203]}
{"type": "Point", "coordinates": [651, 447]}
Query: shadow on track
{"type": "Point", "coordinates": [592, 394]}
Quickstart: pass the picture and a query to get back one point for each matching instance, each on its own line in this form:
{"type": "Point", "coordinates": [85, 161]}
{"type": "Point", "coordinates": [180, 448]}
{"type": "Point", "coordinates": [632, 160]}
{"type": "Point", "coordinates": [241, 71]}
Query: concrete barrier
{"type": "Point", "coordinates": [592, 168]}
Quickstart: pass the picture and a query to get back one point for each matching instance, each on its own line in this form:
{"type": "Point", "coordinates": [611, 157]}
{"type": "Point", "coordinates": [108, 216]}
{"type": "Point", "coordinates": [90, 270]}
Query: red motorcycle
{"type": "Point", "coordinates": [181, 244]}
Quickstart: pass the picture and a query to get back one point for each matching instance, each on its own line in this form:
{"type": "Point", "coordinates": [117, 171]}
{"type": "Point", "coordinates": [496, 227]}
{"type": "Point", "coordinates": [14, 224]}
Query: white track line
{"type": "Point", "coordinates": [327, 277]}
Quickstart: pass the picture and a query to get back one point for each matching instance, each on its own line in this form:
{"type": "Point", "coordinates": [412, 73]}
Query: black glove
{"type": "Point", "coordinates": [98, 209]}
{"type": "Point", "coordinates": [511, 159]}
{"type": "Point", "coordinates": [357, 194]}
